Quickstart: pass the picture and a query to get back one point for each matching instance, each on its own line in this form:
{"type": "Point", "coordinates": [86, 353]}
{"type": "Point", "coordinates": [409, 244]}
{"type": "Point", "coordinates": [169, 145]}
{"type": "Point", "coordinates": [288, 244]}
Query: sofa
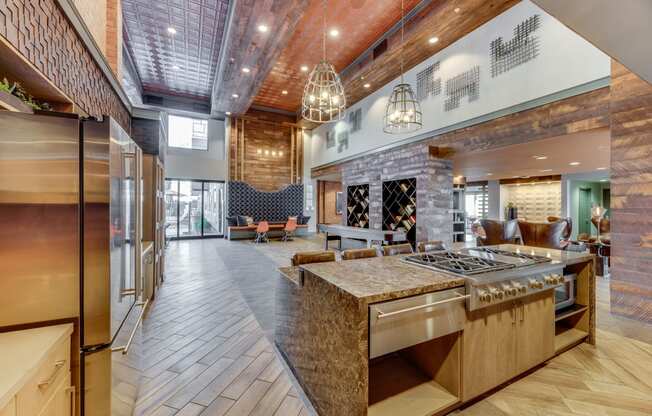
{"type": "Point", "coordinates": [248, 232]}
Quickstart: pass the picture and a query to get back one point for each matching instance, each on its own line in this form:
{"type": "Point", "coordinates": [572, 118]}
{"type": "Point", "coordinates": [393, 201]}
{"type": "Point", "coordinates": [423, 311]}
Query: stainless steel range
{"type": "Point", "coordinates": [494, 275]}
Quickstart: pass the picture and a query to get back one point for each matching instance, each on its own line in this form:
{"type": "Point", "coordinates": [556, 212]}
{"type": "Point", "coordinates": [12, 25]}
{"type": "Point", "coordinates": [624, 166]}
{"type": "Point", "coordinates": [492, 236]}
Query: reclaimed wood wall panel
{"type": "Point", "coordinates": [267, 132]}
{"type": "Point", "coordinates": [631, 194]}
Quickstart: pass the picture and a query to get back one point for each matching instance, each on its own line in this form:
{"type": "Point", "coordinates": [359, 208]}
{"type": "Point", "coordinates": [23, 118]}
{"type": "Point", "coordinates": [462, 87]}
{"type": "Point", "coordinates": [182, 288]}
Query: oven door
{"type": "Point", "coordinates": [565, 293]}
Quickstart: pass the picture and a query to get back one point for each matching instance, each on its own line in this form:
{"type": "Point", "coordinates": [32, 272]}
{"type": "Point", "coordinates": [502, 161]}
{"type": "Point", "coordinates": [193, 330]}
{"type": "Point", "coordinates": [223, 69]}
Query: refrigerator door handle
{"type": "Point", "coordinates": [125, 348]}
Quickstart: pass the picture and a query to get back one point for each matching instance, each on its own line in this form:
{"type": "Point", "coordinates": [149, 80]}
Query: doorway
{"type": "Point", "coordinates": [194, 208]}
{"type": "Point", "coordinates": [584, 211]}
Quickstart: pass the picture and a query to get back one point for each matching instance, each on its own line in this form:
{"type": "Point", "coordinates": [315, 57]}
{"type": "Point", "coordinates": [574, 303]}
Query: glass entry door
{"type": "Point", "coordinates": [194, 208]}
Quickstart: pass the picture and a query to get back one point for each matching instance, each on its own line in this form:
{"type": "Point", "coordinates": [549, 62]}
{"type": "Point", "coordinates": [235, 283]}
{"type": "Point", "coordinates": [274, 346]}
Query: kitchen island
{"type": "Point", "coordinates": [327, 329]}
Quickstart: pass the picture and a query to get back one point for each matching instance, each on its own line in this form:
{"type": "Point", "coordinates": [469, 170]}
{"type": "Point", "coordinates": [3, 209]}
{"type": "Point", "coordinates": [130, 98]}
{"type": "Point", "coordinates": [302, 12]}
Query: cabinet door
{"type": "Point", "coordinates": [535, 330]}
{"type": "Point", "coordinates": [489, 349]}
{"type": "Point", "coordinates": [61, 403]}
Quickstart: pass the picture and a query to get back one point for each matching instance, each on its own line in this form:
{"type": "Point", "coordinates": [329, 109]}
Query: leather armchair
{"type": "Point", "coordinates": [552, 235]}
{"type": "Point", "coordinates": [499, 232]}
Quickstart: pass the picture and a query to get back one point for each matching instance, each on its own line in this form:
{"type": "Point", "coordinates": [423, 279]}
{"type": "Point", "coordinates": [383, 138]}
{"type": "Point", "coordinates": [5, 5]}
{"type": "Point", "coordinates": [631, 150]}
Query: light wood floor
{"type": "Point", "coordinates": [207, 353]}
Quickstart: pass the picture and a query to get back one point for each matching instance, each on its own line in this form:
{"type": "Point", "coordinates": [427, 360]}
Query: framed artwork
{"type": "Point", "coordinates": [338, 203]}
{"type": "Point", "coordinates": [330, 138]}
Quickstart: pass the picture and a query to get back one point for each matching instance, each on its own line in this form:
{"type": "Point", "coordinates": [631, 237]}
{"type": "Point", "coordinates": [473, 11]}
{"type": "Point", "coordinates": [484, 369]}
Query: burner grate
{"type": "Point", "coordinates": [525, 256]}
{"type": "Point", "coordinates": [458, 263]}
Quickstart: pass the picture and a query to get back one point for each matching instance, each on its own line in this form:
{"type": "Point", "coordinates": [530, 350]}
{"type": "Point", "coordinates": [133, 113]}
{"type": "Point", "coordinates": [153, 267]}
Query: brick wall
{"type": "Point", "coordinates": [434, 187]}
{"type": "Point", "coordinates": [39, 30]}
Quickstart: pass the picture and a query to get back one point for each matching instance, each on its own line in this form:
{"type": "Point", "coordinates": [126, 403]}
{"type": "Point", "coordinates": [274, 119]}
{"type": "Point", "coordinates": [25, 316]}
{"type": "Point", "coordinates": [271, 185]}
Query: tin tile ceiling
{"type": "Point", "coordinates": [182, 64]}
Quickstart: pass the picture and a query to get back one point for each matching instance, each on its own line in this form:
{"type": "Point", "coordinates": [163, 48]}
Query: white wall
{"type": "Point", "coordinates": [309, 185]}
{"type": "Point", "coordinates": [535, 202]}
{"type": "Point", "coordinates": [199, 164]}
{"type": "Point", "coordinates": [565, 61]}
{"type": "Point", "coordinates": [493, 195]}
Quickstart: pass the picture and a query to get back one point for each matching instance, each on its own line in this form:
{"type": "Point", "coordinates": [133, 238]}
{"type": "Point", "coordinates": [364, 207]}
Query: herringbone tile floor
{"type": "Point", "coordinates": [207, 353]}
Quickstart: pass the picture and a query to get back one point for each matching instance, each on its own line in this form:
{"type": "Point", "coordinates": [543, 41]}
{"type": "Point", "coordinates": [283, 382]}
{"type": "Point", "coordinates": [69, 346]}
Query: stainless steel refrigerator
{"type": "Point", "coordinates": [79, 179]}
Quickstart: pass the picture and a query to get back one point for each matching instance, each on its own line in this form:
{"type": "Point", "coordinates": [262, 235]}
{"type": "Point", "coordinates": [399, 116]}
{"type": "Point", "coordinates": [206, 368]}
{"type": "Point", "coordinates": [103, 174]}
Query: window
{"type": "Point", "coordinates": [476, 202]}
{"type": "Point", "coordinates": [193, 208]}
{"type": "Point", "coordinates": [188, 133]}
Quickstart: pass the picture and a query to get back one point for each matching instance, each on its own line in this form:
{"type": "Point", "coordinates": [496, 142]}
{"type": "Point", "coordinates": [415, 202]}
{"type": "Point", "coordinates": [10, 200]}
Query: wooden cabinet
{"type": "Point", "coordinates": [505, 340]}
{"type": "Point", "coordinates": [535, 330]}
{"type": "Point", "coordinates": [154, 212]}
{"type": "Point", "coordinates": [36, 372]}
{"type": "Point", "coordinates": [61, 402]}
{"type": "Point", "coordinates": [489, 349]}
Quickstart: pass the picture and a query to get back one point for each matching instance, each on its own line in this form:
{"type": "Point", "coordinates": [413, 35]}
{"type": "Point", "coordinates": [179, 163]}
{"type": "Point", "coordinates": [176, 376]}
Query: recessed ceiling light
{"type": "Point", "coordinates": [433, 40]}
{"type": "Point", "coordinates": [457, 10]}
{"type": "Point", "coordinates": [490, 174]}
{"type": "Point", "coordinates": [280, 154]}
{"type": "Point", "coordinates": [172, 31]}
{"type": "Point", "coordinates": [304, 68]}
{"type": "Point", "coordinates": [267, 152]}
{"type": "Point", "coordinates": [246, 70]}
{"type": "Point", "coordinates": [604, 180]}
{"type": "Point", "coordinates": [602, 168]}
{"type": "Point", "coordinates": [228, 113]}
{"type": "Point", "coordinates": [540, 157]}
{"type": "Point", "coordinates": [367, 85]}
{"type": "Point", "coordinates": [259, 151]}
{"type": "Point", "coordinates": [175, 67]}
{"type": "Point", "coordinates": [263, 28]}
{"type": "Point", "coordinates": [284, 92]}
{"type": "Point", "coordinates": [234, 95]}
{"type": "Point", "coordinates": [334, 33]}
{"type": "Point", "coordinates": [574, 163]}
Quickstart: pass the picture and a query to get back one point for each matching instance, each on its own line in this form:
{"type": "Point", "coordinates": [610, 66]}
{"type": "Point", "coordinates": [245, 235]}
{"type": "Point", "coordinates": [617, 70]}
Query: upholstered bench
{"type": "Point", "coordinates": [248, 232]}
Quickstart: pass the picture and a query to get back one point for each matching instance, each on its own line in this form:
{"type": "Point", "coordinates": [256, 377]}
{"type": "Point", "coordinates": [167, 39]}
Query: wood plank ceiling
{"type": "Point", "coordinates": [275, 58]}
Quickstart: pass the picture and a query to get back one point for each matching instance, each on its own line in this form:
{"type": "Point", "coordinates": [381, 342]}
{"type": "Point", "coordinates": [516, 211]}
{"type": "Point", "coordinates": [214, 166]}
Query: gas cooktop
{"type": "Point", "coordinates": [459, 263]}
{"type": "Point", "coordinates": [529, 258]}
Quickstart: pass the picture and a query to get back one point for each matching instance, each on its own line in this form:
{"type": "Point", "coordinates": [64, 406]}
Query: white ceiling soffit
{"type": "Point", "coordinates": [621, 29]}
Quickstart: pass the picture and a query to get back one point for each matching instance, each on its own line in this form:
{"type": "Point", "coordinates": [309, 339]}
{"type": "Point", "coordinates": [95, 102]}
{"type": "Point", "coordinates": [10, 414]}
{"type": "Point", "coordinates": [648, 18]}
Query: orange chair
{"type": "Point", "coordinates": [290, 228]}
{"type": "Point", "coordinates": [261, 232]}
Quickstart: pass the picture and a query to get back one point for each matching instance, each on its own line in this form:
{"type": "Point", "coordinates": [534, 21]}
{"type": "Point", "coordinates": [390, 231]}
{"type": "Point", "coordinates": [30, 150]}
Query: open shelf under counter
{"type": "Point", "coordinates": [570, 311]}
{"type": "Point", "coordinates": [566, 337]}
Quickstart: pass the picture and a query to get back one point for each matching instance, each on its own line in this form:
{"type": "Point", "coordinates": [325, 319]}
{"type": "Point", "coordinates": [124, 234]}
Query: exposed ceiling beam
{"type": "Point", "coordinates": [246, 46]}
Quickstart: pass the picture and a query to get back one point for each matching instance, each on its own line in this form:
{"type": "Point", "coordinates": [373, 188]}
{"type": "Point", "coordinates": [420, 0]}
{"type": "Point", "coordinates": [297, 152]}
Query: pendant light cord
{"type": "Point", "coordinates": [323, 21]}
{"type": "Point", "coordinates": [402, 35]}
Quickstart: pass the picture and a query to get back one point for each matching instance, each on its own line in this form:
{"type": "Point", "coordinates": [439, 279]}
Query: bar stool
{"type": "Point", "coordinates": [359, 253]}
{"type": "Point", "coordinates": [308, 257]}
{"type": "Point", "coordinates": [432, 245]}
{"type": "Point", "coordinates": [394, 250]}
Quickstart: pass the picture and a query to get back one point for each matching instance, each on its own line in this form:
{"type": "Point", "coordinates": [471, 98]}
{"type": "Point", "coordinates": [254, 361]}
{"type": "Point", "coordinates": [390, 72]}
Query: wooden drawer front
{"type": "Point", "coordinates": [9, 409]}
{"type": "Point", "coordinates": [32, 398]}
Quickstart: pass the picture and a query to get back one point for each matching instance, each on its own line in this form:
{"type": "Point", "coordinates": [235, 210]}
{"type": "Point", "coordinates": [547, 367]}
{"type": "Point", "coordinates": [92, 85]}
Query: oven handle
{"type": "Point", "coordinates": [416, 308]}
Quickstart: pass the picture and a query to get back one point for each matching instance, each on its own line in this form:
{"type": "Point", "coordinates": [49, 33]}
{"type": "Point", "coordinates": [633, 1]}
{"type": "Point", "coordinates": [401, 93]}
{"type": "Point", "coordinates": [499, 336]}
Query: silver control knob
{"type": "Point", "coordinates": [536, 284]}
{"type": "Point", "coordinates": [484, 296]}
{"type": "Point", "coordinates": [509, 290]}
{"type": "Point", "coordinates": [496, 294]}
{"type": "Point", "coordinates": [520, 289]}
{"type": "Point", "coordinates": [550, 279]}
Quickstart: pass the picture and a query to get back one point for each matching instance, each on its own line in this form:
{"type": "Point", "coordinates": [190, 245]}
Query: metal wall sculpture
{"type": "Point", "coordinates": [428, 83]}
{"type": "Point", "coordinates": [466, 84]}
{"type": "Point", "coordinates": [523, 47]}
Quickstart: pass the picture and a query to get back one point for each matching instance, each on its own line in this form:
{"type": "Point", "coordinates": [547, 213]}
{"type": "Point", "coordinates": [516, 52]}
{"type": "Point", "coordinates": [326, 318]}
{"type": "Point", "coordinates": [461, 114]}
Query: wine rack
{"type": "Point", "coordinates": [357, 206]}
{"type": "Point", "coordinates": [400, 206]}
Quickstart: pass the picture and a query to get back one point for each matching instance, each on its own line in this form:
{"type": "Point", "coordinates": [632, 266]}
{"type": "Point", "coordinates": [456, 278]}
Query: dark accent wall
{"type": "Point", "coordinates": [40, 31]}
{"type": "Point", "coordinates": [434, 182]}
{"type": "Point", "coordinates": [149, 135]}
{"type": "Point", "coordinates": [631, 194]}
{"type": "Point", "coordinates": [277, 206]}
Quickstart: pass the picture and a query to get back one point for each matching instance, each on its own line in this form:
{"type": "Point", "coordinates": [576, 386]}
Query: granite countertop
{"type": "Point", "coordinates": [291, 273]}
{"type": "Point", "coordinates": [382, 278]}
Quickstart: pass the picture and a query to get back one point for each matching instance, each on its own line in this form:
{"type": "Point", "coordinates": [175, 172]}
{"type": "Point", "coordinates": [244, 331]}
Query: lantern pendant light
{"type": "Point", "coordinates": [403, 111]}
{"type": "Point", "coordinates": [323, 96]}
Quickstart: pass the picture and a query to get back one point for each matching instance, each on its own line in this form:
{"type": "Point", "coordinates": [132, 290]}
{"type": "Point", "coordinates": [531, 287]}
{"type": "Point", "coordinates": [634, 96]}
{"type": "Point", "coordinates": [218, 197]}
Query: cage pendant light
{"type": "Point", "coordinates": [403, 111]}
{"type": "Point", "coordinates": [323, 96]}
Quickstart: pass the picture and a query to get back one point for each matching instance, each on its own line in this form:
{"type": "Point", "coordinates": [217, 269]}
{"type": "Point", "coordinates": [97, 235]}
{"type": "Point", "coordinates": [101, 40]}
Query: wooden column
{"type": "Point", "coordinates": [631, 194]}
